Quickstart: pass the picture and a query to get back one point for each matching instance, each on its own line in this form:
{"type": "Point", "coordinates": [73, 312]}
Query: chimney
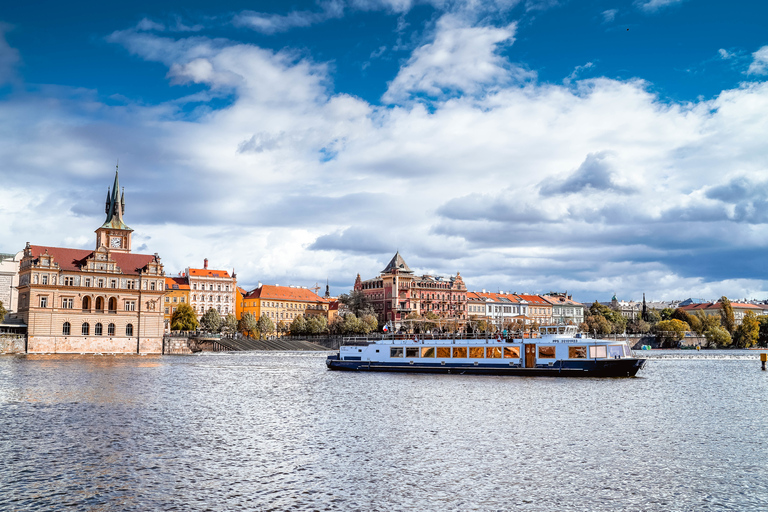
{"type": "Point", "coordinates": [205, 263]}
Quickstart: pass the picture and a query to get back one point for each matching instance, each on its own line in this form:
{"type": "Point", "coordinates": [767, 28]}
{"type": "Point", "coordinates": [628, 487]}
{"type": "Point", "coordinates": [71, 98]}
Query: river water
{"type": "Point", "coordinates": [277, 431]}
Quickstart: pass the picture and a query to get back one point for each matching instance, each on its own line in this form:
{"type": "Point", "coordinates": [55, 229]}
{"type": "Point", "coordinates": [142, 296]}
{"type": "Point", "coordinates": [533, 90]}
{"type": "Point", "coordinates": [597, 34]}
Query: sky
{"type": "Point", "coordinates": [591, 146]}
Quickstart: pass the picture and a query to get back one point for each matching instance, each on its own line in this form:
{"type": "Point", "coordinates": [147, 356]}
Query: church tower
{"type": "Point", "coordinates": [114, 234]}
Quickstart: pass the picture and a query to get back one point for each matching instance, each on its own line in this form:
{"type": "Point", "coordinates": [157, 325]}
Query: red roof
{"type": "Point", "coordinates": [496, 297]}
{"type": "Point", "coordinates": [716, 305]}
{"type": "Point", "coordinates": [204, 272]}
{"type": "Point", "coordinates": [176, 283]}
{"type": "Point", "coordinates": [284, 293]}
{"type": "Point", "coordinates": [74, 259]}
{"type": "Point", "coordinates": [534, 299]}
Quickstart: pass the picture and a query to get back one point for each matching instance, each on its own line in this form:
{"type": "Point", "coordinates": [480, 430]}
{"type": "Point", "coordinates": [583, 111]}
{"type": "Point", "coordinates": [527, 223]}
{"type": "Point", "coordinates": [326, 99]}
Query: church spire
{"type": "Point", "coordinates": [115, 207]}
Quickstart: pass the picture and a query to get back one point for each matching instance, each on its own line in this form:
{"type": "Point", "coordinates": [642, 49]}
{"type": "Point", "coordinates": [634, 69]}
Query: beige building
{"type": "Point", "coordinates": [211, 289]}
{"type": "Point", "coordinates": [108, 300]}
{"type": "Point", "coordinates": [9, 280]}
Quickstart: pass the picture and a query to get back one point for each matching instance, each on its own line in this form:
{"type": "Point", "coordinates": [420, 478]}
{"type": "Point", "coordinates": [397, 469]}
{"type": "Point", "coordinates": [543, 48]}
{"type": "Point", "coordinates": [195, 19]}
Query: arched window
{"type": "Point", "coordinates": [112, 304]}
{"type": "Point", "coordinates": [86, 303]}
{"type": "Point", "coordinates": [99, 304]}
{"type": "Point", "coordinates": [65, 329]}
{"type": "Point", "coordinates": [97, 329]}
{"type": "Point", "coordinates": [129, 330]}
{"type": "Point", "coordinates": [111, 330]}
{"type": "Point", "coordinates": [86, 330]}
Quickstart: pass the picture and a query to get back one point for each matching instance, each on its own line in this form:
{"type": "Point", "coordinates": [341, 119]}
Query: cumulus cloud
{"type": "Point", "coordinates": [269, 23]}
{"type": "Point", "coordinates": [460, 58]}
{"type": "Point", "coordinates": [609, 15]}
{"type": "Point", "coordinates": [595, 174]}
{"type": "Point", "coordinates": [759, 65]}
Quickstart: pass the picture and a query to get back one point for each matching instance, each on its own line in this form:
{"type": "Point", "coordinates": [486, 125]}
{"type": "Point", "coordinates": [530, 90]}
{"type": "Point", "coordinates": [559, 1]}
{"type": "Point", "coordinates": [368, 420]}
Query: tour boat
{"type": "Point", "coordinates": [554, 350]}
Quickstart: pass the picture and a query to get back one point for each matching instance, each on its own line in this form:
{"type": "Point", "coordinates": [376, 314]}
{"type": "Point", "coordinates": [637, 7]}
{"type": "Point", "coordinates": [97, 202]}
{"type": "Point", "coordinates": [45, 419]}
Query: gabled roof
{"type": "Point", "coordinates": [176, 283]}
{"type": "Point", "coordinates": [397, 263]}
{"type": "Point", "coordinates": [494, 297]}
{"type": "Point", "coordinates": [559, 300]}
{"type": "Point", "coordinates": [205, 272]}
{"type": "Point", "coordinates": [717, 306]}
{"type": "Point", "coordinates": [273, 292]}
{"type": "Point", "coordinates": [74, 259]}
{"type": "Point", "coordinates": [534, 299]}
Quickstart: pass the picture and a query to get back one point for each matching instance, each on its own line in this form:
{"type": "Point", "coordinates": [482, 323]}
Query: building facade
{"type": "Point", "coordinates": [284, 303]}
{"type": "Point", "coordinates": [565, 310]}
{"type": "Point", "coordinates": [9, 280]}
{"type": "Point", "coordinates": [176, 292]}
{"type": "Point", "coordinates": [107, 300]}
{"type": "Point", "coordinates": [208, 289]}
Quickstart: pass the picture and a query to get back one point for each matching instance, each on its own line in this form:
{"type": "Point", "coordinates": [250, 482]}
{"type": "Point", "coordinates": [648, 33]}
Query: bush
{"type": "Point", "coordinates": [670, 332]}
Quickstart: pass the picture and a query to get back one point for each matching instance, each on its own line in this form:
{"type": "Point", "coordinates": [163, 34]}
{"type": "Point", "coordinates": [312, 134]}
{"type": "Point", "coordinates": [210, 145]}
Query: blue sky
{"type": "Point", "coordinates": [594, 146]}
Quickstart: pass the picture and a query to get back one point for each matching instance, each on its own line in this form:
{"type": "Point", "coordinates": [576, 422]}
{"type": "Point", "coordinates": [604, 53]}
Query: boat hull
{"type": "Point", "coordinates": [624, 367]}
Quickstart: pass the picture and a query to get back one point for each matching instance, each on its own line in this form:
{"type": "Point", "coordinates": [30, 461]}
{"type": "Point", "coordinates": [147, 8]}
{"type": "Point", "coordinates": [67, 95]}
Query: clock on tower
{"type": "Point", "coordinates": [115, 242]}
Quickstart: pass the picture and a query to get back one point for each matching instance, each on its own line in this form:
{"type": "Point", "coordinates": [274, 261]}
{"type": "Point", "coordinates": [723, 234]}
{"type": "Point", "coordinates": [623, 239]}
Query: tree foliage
{"type": "Point", "coordinates": [298, 326]}
{"type": "Point", "coordinates": [3, 311]}
{"type": "Point", "coordinates": [747, 333]}
{"type": "Point", "coordinates": [726, 315]}
{"type": "Point", "coordinates": [604, 320]}
{"type": "Point", "coordinates": [248, 324]}
{"type": "Point", "coordinates": [357, 303]}
{"type": "Point", "coordinates": [705, 322]}
{"type": "Point", "coordinates": [718, 337]}
{"type": "Point", "coordinates": [670, 332]}
{"type": "Point", "coordinates": [264, 326]}
{"type": "Point", "coordinates": [184, 318]}
{"type": "Point", "coordinates": [229, 324]}
{"type": "Point", "coordinates": [762, 337]}
{"type": "Point", "coordinates": [317, 324]}
{"type": "Point", "coordinates": [211, 321]}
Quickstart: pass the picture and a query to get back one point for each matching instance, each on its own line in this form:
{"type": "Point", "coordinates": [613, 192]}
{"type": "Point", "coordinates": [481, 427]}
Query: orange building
{"type": "Point", "coordinates": [283, 303]}
{"type": "Point", "coordinates": [176, 292]}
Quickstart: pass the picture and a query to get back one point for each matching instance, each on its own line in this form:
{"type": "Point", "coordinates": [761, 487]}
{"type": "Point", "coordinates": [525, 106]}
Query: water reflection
{"type": "Point", "coordinates": [276, 431]}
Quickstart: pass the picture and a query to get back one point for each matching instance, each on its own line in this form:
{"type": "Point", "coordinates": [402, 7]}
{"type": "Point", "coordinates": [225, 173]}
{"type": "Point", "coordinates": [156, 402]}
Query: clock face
{"type": "Point", "coordinates": [114, 242]}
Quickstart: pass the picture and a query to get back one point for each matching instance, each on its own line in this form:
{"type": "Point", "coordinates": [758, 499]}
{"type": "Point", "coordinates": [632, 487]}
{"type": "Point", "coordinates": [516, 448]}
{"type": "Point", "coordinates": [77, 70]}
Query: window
{"type": "Point", "coordinates": [460, 352]}
{"type": "Point", "coordinates": [175, 300]}
{"type": "Point", "coordinates": [396, 352]}
{"type": "Point", "coordinates": [130, 305]}
{"type": "Point", "coordinates": [86, 329]}
{"type": "Point", "coordinates": [151, 285]}
{"type": "Point", "coordinates": [411, 351]}
{"type": "Point", "coordinates": [546, 352]}
{"type": "Point", "coordinates": [88, 282]}
{"type": "Point", "coordinates": [182, 299]}
{"type": "Point", "coordinates": [101, 283]}
{"type": "Point", "coordinates": [597, 351]}
{"type": "Point", "coordinates": [511, 352]}
{"type": "Point", "coordinates": [111, 330]}
{"type": "Point", "coordinates": [428, 352]}
{"type": "Point", "coordinates": [131, 284]}
{"type": "Point", "coordinates": [44, 301]}
{"type": "Point", "coordinates": [129, 330]}
{"type": "Point", "coordinates": [167, 311]}
{"type": "Point", "coordinates": [97, 329]}
{"type": "Point", "coordinates": [67, 303]}
{"type": "Point", "coordinates": [86, 303]}
{"type": "Point", "coordinates": [45, 279]}
{"type": "Point", "coordinates": [577, 352]}
{"type": "Point", "coordinates": [65, 329]}
{"type": "Point", "coordinates": [69, 281]}
{"type": "Point", "coordinates": [477, 352]}
{"type": "Point", "coordinates": [113, 283]}
{"type": "Point", "coordinates": [112, 304]}
{"type": "Point", "coordinates": [615, 351]}
{"type": "Point", "coordinates": [194, 287]}
{"type": "Point", "coordinates": [167, 299]}
{"type": "Point", "coordinates": [627, 351]}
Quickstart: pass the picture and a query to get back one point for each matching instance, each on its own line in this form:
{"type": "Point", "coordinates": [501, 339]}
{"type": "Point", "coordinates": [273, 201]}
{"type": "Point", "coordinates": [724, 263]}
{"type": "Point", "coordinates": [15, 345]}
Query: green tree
{"type": "Point", "coordinates": [264, 326]}
{"type": "Point", "coordinates": [353, 325]}
{"type": "Point", "coordinates": [617, 321]}
{"type": "Point", "coordinates": [370, 323]}
{"type": "Point", "coordinates": [357, 302]}
{"type": "Point", "coordinates": [670, 332]}
{"type": "Point", "coordinates": [666, 313]}
{"type": "Point", "coordinates": [747, 333]}
{"type": "Point", "coordinates": [229, 324]}
{"type": "Point", "coordinates": [718, 337]}
{"type": "Point", "coordinates": [317, 324]}
{"type": "Point", "coordinates": [248, 324]}
{"type": "Point", "coordinates": [184, 318]}
{"type": "Point", "coordinates": [762, 337]}
{"type": "Point", "coordinates": [211, 321]}
{"type": "Point", "coordinates": [654, 316]}
{"type": "Point", "coordinates": [282, 327]}
{"type": "Point", "coordinates": [337, 326]}
{"type": "Point", "coordinates": [430, 320]}
{"type": "Point", "coordinates": [298, 326]}
{"type": "Point", "coordinates": [638, 326]}
{"type": "Point", "coordinates": [726, 315]}
{"type": "Point", "coordinates": [598, 324]}
{"type": "Point", "coordinates": [3, 312]}
{"type": "Point", "coordinates": [693, 322]}
{"type": "Point", "coordinates": [705, 322]}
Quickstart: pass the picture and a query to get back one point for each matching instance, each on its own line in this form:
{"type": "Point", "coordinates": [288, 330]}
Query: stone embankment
{"type": "Point", "coordinates": [12, 344]}
{"type": "Point", "coordinates": [179, 345]}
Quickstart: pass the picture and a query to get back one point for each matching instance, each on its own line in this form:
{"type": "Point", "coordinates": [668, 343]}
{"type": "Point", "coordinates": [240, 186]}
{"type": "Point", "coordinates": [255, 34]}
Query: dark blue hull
{"type": "Point", "coordinates": [626, 367]}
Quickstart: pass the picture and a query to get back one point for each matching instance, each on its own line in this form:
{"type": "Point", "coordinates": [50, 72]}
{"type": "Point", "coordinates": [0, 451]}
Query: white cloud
{"type": "Point", "coordinates": [725, 54]}
{"type": "Point", "coordinates": [655, 5]}
{"type": "Point", "coordinates": [460, 58]}
{"type": "Point", "coordinates": [268, 23]}
{"type": "Point", "coordinates": [609, 15]}
{"type": "Point", "coordinates": [759, 65]}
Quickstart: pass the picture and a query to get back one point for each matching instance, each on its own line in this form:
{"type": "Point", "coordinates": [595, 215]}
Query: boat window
{"type": "Point", "coordinates": [428, 352]}
{"type": "Point", "coordinates": [627, 351]}
{"type": "Point", "coordinates": [444, 352]}
{"type": "Point", "coordinates": [459, 351]}
{"type": "Point", "coordinates": [396, 352]}
{"type": "Point", "coordinates": [411, 351]}
{"type": "Point", "coordinates": [577, 352]}
{"type": "Point", "coordinates": [596, 351]}
{"type": "Point", "coordinates": [546, 352]}
{"type": "Point", "coordinates": [477, 352]}
{"type": "Point", "coordinates": [494, 352]}
{"type": "Point", "coordinates": [615, 350]}
{"type": "Point", "coordinates": [511, 352]}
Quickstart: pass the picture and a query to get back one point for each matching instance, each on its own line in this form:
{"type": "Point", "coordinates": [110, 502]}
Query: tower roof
{"type": "Point", "coordinates": [397, 263]}
{"type": "Point", "coordinates": [115, 207]}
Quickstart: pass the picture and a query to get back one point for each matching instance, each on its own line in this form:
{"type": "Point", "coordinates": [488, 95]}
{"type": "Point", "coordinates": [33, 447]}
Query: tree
{"type": "Point", "coordinates": [598, 324]}
{"type": "Point", "coordinates": [211, 321]}
{"type": "Point", "coordinates": [705, 322]}
{"type": "Point", "coordinates": [670, 332]}
{"type": "Point", "coordinates": [298, 326]}
{"type": "Point", "coordinates": [693, 322]}
{"type": "Point", "coordinates": [248, 324]}
{"type": "Point", "coordinates": [184, 318]}
{"type": "Point", "coordinates": [639, 326]}
{"type": "Point", "coordinates": [726, 315]}
{"type": "Point", "coordinates": [616, 321]}
{"type": "Point", "coordinates": [747, 333]}
{"type": "Point", "coordinates": [370, 323]}
{"type": "Point", "coordinates": [353, 325]}
{"type": "Point", "coordinates": [3, 311]}
{"type": "Point", "coordinates": [718, 337]}
{"type": "Point", "coordinates": [666, 313]}
{"type": "Point", "coordinates": [317, 324]}
{"type": "Point", "coordinates": [264, 325]}
{"type": "Point", "coordinates": [762, 337]}
{"type": "Point", "coordinates": [337, 326]}
{"type": "Point", "coordinates": [654, 316]}
{"type": "Point", "coordinates": [229, 324]}
{"type": "Point", "coordinates": [357, 302]}
{"type": "Point", "coordinates": [430, 320]}
{"type": "Point", "coordinates": [282, 327]}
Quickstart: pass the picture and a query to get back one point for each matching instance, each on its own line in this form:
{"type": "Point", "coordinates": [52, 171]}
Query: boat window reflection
{"type": "Point", "coordinates": [627, 351]}
{"type": "Point", "coordinates": [511, 352]}
{"type": "Point", "coordinates": [577, 352]}
{"type": "Point", "coordinates": [460, 352]}
{"type": "Point", "coordinates": [546, 352]}
{"type": "Point", "coordinates": [412, 352]}
{"type": "Point", "coordinates": [396, 352]}
{"type": "Point", "coordinates": [494, 352]}
{"type": "Point", "coordinates": [477, 352]}
{"type": "Point", "coordinates": [444, 352]}
{"type": "Point", "coordinates": [597, 351]}
{"type": "Point", "coordinates": [615, 350]}
{"type": "Point", "coordinates": [428, 352]}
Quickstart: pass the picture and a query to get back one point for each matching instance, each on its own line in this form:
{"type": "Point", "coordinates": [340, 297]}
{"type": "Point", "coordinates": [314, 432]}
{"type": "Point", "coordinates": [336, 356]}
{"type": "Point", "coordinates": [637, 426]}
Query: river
{"type": "Point", "coordinates": [277, 431]}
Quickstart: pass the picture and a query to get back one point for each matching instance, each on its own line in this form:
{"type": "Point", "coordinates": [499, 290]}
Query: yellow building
{"type": "Point", "coordinates": [176, 292]}
{"type": "Point", "coordinates": [283, 303]}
